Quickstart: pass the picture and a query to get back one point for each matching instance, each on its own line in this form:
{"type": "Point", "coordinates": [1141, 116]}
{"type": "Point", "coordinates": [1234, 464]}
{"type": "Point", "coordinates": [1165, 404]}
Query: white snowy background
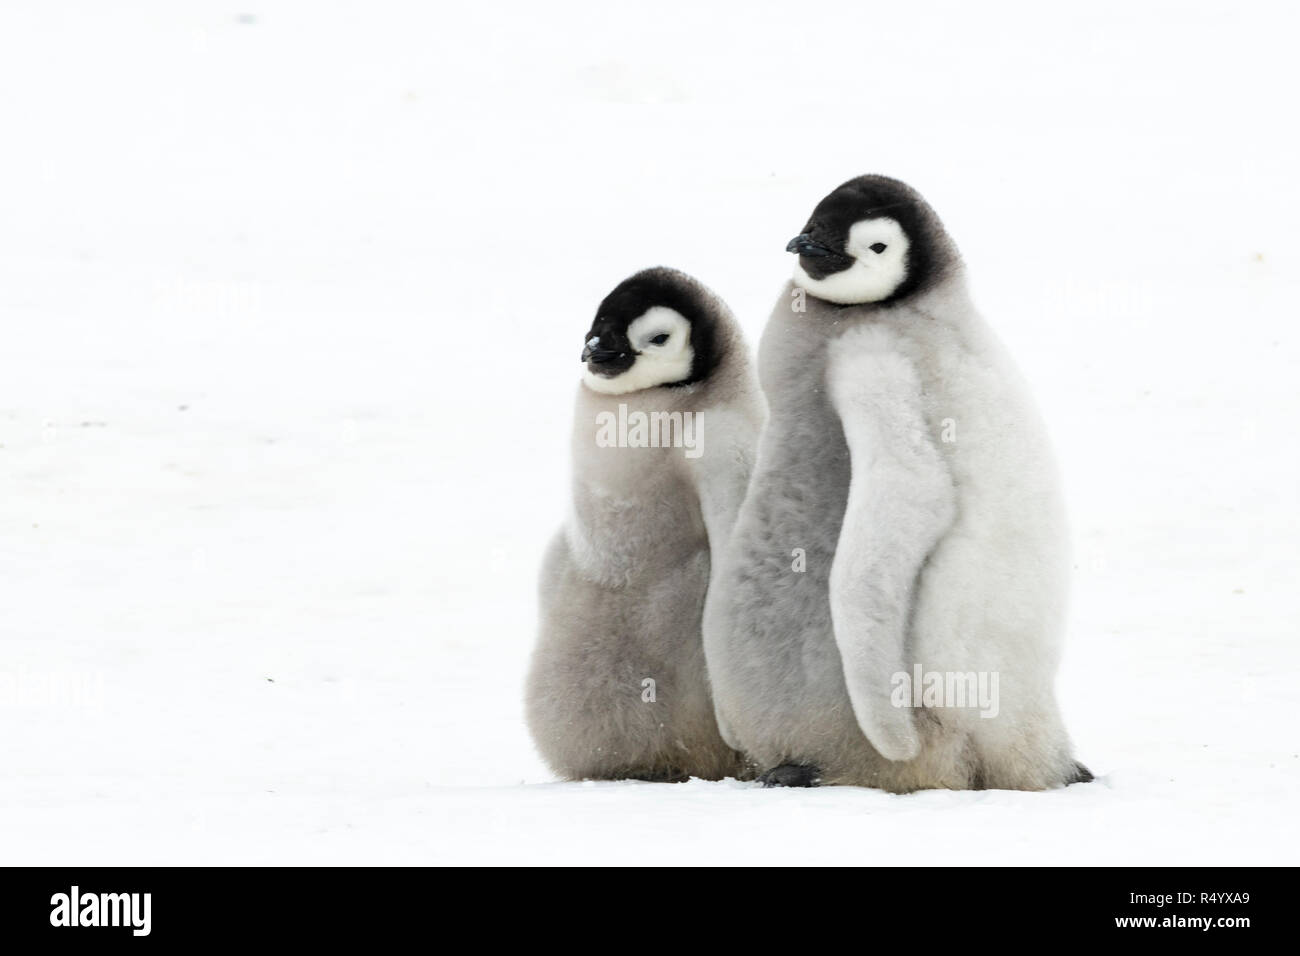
{"type": "Point", "coordinates": [292, 299]}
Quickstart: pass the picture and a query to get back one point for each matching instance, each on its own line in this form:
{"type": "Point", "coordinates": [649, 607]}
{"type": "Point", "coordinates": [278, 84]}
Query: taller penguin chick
{"type": "Point", "coordinates": [889, 611]}
{"type": "Point", "coordinates": [663, 436]}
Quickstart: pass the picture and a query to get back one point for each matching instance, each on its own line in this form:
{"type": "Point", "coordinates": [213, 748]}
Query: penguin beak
{"type": "Point", "coordinates": [805, 245]}
{"type": "Point", "coordinates": [592, 352]}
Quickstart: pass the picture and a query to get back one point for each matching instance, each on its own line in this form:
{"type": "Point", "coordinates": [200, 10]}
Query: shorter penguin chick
{"type": "Point", "coordinates": [664, 429]}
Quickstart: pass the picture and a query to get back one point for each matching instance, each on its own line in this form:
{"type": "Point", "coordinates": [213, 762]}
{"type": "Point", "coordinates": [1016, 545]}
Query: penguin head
{"type": "Point", "coordinates": [658, 327]}
{"type": "Point", "coordinates": [874, 239]}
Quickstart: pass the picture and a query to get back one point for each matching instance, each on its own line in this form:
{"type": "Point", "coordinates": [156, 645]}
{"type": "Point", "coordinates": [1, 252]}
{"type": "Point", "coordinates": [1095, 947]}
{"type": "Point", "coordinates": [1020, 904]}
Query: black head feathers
{"type": "Point", "coordinates": [821, 245]}
{"type": "Point", "coordinates": [633, 297]}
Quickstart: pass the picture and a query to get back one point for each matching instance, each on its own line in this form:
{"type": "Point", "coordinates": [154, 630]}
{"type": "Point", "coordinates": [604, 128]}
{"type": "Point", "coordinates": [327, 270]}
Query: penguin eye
{"type": "Point", "coordinates": [659, 339]}
{"type": "Point", "coordinates": [878, 247]}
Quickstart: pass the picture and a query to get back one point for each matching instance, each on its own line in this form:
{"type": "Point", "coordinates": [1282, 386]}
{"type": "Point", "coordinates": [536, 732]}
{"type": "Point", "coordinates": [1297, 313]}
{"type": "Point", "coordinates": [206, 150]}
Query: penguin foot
{"type": "Point", "coordinates": [791, 775]}
{"type": "Point", "coordinates": [1081, 775]}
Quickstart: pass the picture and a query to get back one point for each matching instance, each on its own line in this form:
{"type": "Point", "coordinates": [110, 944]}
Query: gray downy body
{"type": "Point", "coordinates": [958, 546]}
{"type": "Point", "coordinates": [623, 583]}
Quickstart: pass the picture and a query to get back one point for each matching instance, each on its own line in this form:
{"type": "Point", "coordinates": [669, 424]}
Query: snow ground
{"type": "Point", "coordinates": [292, 298]}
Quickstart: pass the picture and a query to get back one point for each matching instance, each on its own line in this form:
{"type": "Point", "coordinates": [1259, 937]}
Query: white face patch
{"type": "Point", "coordinates": [879, 251]}
{"type": "Point", "coordinates": [662, 339]}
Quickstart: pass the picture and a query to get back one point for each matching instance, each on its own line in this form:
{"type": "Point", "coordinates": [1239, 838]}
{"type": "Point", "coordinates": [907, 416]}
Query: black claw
{"type": "Point", "coordinates": [791, 775]}
{"type": "Point", "coordinates": [1081, 775]}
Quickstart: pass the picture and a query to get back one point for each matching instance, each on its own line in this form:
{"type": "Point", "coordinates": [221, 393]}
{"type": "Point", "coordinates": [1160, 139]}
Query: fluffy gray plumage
{"type": "Point", "coordinates": [950, 554]}
{"type": "Point", "coordinates": [623, 583]}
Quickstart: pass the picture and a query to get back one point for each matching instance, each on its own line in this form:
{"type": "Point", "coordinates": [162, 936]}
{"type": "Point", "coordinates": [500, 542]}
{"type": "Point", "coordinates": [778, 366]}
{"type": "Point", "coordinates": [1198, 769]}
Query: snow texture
{"type": "Point", "coordinates": [293, 297]}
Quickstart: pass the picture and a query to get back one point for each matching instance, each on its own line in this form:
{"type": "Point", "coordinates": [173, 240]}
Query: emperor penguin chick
{"type": "Point", "coordinates": [663, 436]}
{"type": "Point", "coordinates": [889, 610]}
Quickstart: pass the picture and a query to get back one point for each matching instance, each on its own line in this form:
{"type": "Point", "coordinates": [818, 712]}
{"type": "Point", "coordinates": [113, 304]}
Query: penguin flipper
{"type": "Point", "coordinates": [901, 501]}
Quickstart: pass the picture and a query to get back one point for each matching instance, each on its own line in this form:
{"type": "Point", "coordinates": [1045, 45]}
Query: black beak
{"type": "Point", "coordinates": [594, 353]}
{"type": "Point", "coordinates": [805, 245]}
